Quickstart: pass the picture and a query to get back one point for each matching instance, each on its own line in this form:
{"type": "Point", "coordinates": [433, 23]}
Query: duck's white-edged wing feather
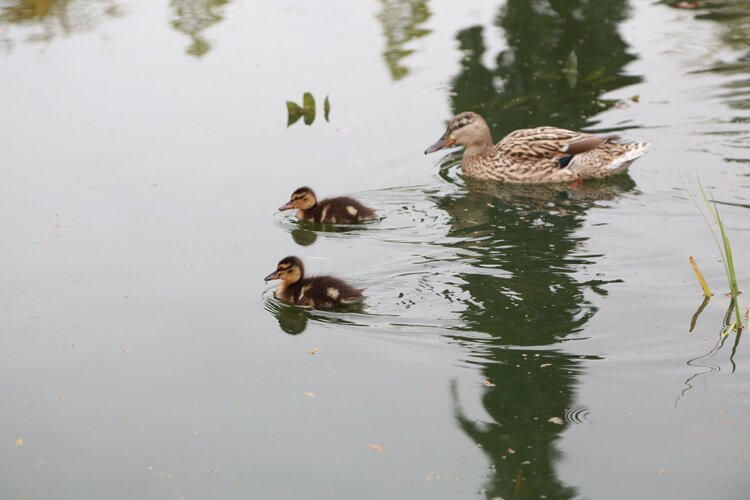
{"type": "Point", "coordinates": [546, 143]}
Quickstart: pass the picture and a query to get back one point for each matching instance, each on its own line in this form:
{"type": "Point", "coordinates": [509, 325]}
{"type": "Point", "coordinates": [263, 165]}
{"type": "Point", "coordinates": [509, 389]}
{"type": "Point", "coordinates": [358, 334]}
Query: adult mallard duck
{"type": "Point", "coordinates": [321, 292]}
{"type": "Point", "coordinates": [340, 210]}
{"type": "Point", "coordinates": [536, 155]}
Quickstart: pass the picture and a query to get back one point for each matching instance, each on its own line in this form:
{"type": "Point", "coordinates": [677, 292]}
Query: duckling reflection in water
{"type": "Point", "coordinates": [339, 210]}
{"type": "Point", "coordinates": [536, 155]}
{"type": "Point", "coordinates": [320, 292]}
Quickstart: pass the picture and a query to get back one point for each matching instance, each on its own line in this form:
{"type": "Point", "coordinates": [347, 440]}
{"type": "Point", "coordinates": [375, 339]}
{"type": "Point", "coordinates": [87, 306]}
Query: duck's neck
{"type": "Point", "coordinates": [286, 290]}
{"type": "Point", "coordinates": [481, 143]}
{"type": "Point", "coordinates": [478, 150]}
{"type": "Point", "coordinates": [307, 214]}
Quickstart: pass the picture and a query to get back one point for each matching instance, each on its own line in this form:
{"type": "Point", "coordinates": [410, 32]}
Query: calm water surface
{"type": "Point", "coordinates": [515, 342]}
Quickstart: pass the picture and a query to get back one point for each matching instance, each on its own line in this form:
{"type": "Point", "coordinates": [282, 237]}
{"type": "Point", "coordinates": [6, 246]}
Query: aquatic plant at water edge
{"type": "Point", "coordinates": [725, 249]}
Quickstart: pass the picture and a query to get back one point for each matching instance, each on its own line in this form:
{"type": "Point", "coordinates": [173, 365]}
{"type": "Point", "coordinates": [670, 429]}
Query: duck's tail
{"type": "Point", "coordinates": [609, 159]}
{"type": "Point", "coordinates": [633, 151]}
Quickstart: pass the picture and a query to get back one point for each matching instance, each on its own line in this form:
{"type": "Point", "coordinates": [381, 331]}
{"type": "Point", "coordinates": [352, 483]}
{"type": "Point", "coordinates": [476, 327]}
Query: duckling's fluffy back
{"type": "Point", "coordinates": [339, 210]}
{"type": "Point", "coordinates": [324, 292]}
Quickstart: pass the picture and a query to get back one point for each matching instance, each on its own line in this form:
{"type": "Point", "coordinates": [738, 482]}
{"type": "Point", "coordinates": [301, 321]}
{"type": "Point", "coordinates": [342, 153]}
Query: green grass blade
{"type": "Point", "coordinates": [725, 249]}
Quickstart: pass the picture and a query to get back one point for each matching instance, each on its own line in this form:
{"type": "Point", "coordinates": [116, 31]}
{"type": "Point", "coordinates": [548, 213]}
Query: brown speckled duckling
{"type": "Point", "coordinates": [340, 210]}
{"type": "Point", "coordinates": [536, 155]}
{"type": "Point", "coordinates": [321, 292]}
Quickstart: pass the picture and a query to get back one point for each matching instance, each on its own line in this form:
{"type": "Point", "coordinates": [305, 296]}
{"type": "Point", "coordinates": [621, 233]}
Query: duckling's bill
{"type": "Point", "coordinates": [273, 276]}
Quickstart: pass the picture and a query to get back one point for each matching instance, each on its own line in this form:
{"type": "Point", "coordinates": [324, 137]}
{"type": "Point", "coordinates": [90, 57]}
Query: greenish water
{"type": "Point", "coordinates": [515, 342]}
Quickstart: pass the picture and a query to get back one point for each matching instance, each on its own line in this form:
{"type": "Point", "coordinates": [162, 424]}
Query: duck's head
{"type": "Point", "coordinates": [465, 129]}
{"type": "Point", "coordinates": [301, 199]}
{"type": "Point", "coordinates": [289, 270]}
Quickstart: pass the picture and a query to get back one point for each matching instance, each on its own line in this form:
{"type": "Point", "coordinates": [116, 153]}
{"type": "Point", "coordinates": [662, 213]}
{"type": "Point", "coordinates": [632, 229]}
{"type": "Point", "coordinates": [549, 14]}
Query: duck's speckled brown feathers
{"type": "Point", "coordinates": [536, 155]}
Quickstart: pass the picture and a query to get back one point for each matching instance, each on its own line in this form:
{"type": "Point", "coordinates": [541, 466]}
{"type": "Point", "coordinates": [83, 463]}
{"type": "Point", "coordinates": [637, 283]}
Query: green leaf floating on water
{"type": "Point", "coordinates": [308, 102]}
{"type": "Point", "coordinates": [294, 112]}
{"type": "Point", "coordinates": [306, 110]}
{"type": "Point", "coordinates": [571, 69]}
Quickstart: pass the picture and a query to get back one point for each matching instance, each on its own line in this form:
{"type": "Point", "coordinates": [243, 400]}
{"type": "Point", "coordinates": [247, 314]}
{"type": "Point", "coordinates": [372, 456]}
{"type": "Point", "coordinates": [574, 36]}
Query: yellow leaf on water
{"type": "Point", "coordinates": [376, 447]}
{"type": "Point", "coordinates": [313, 350]}
{"type": "Point", "coordinates": [555, 420]}
{"type": "Point", "coordinates": [309, 394]}
{"type": "Point", "coordinates": [19, 442]}
{"type": "Point", "coordinates": [487, 383]}
{"type": "Point", "coordinates": [701, 279]}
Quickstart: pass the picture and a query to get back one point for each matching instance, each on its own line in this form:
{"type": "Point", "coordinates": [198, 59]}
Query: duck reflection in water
{"type": "Point", "coordinates": [304, 237]}
{"type": "Point", "coordinates": [526, 254]}
{"type": "Point", "coordinates": [293, 319]}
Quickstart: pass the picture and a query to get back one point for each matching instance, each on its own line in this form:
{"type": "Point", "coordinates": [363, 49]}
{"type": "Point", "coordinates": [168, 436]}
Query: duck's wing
{"type": "Point", "coordinates": [546, 143]}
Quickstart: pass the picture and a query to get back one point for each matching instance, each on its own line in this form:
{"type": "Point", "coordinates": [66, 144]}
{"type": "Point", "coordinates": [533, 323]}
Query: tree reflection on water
{"type": "Point", "coordinates": [193, 17]}
{"type": "Point", "coordinates": [45, 20]}
{"type": "Point", "coordinates": [402, 22]}
{"type": "Point", "coordinates": [526, 296]}
{"type": "Point", "coordinates": [527, 299]}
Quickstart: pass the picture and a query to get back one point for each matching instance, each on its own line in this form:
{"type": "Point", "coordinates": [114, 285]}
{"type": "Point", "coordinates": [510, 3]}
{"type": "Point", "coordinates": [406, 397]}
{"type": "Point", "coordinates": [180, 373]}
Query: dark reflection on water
{"type": "Point", "coordinates": [732, 21]}
{"type": "Point", "coordinates": [527, 86]}
{"type": "Point", "coordinates": [49, 19]}
{"type": "Point", "coordinates": [530, 234]}
{"type": "Point", "coordinates": [306, 233]}
{"type": "Point", "coordinates": [732, 16]}
{"type": "Point", "coordinates": [193, 17]}
{"type": "Point", "coordinates": [304, 237]}
{"type": "Point", "coordinates": [293, 319]}
{"type": "Point", "coordinates": [402, 22]}
{"type": "Point", "coordinates": [524, 292]}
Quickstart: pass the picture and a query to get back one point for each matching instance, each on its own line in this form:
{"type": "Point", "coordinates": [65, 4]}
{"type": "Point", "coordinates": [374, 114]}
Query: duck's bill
{"type": "Point", "coordinates": [443, 142]}
{"type": "Point", "coordinates": [286, 206]}
{"type": "Point", "coordinates": [273, 276]}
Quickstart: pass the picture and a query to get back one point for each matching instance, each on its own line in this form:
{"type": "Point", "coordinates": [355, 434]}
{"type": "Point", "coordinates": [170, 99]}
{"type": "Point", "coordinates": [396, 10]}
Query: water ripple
{"type": "Point", "coordinates": [576, 415]}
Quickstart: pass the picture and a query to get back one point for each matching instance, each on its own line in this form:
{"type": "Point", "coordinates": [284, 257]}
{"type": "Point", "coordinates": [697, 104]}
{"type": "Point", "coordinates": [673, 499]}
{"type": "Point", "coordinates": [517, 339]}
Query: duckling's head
{"type": "Point", "coordinates": [302, 199]}
{"type": "Point", "coordinates": [289, 270]}
{"type": "Point", "coordinates": [465, 129]}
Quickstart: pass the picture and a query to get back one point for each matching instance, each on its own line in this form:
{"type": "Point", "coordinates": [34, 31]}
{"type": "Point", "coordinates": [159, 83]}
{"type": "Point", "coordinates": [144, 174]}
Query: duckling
{"type": "Point", "coordinates": [536, 155]}
{"type": "Point", "coordinates": [340, 210]}
{"type": "Point", "coordinates": [321, 292]}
